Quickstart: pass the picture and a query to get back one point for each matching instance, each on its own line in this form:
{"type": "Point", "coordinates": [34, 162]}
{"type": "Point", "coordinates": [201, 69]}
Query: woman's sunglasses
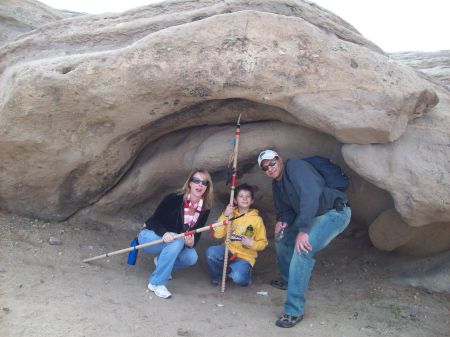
{"type": "Point", "coordinates": [197, 181]}
{"type": "Point", "coordinates": [271, 164]}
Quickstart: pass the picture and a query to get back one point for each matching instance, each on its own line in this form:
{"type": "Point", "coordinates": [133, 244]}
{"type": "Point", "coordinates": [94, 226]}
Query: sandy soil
{"type": "Point", "coordinates": [45, 290]}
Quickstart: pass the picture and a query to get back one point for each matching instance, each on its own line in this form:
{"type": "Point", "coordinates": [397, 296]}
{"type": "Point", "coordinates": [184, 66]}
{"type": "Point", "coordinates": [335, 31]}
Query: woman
{"type": "Point", "coordinates": [185, 210]}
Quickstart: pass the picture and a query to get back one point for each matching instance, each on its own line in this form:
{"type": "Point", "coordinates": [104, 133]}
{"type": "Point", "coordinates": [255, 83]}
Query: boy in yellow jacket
{"type": "Point", "coordinates": [248, 236]}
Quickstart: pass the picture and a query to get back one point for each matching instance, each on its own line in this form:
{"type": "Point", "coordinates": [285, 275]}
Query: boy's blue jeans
{"type": "Point", "coordinates": [174, 255]}
{"type": "Point", "coordinates": [241, 270]}
{"type": "Point", "coordinates": [295, 268]}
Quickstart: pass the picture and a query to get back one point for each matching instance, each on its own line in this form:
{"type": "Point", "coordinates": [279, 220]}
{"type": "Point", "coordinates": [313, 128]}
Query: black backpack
{"type": "Point", "coordinates": [332, 174]}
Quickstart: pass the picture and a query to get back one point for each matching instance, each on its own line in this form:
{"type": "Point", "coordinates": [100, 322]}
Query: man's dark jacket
{"type": "Point", "coordinates": [301, 195]}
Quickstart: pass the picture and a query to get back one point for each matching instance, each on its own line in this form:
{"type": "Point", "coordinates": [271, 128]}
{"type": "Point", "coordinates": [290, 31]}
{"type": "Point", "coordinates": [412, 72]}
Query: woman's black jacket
{"type": "Point", "coordinates": [169, 217]}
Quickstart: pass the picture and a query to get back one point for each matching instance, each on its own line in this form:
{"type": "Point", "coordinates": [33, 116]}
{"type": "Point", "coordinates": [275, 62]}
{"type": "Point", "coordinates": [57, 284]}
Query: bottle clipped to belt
{"type": "Point", "coordinates": [133, 254]}
{"type": "Point", "coordinates": [280, 235]}
{"type": "Point", "coordinates": [249, 231]}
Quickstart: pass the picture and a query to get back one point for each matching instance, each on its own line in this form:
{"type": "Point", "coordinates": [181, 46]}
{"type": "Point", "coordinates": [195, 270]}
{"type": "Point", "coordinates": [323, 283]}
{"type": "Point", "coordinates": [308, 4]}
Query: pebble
{"type": "Point", "coordinates": [219, 305]}
{"type": "Point", "coordinates": [262, 293]}
{"type": "Point", "coordinates": [203, 302]}
{"type": "Point", "coordinates": [54, 241]}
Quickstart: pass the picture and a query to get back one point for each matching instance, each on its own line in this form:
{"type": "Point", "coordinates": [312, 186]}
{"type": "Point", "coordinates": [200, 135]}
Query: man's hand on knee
{"type": "Point", "coordinates": [302, 244]}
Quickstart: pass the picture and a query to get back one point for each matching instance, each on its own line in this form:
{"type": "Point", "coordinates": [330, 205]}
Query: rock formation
{"type": "Point", "coordinates": [435, 64]}
{"type": "Point", "coordinates": [21, 16]}
{"type": "Point", "coordinates": [118, 108]}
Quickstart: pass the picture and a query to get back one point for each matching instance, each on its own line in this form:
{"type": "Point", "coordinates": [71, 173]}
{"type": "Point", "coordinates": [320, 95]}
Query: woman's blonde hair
{"type": "Point", "coordinates": [208, 196]}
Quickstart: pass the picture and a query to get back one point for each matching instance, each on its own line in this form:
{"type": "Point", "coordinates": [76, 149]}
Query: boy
{"type": "Point", "coordinates": [248, 236]}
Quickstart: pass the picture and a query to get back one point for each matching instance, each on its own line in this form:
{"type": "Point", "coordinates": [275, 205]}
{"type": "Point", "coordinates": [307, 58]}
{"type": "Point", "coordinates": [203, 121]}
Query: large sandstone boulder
{"type": "Point", "coordinates": [110, 31]}
{"type": "Point", "coordinates": [21, 16]}
{"type": "Point", "coordinates": [389, 232]}
{"type": "Point", "coordinates": [415, 169]}
{"type": "Point", "coordinates": [431, 273]}
{"type": "Point", "coordinates": [117, 108]}
{"type": "Point", "coordinates": [436, 64]}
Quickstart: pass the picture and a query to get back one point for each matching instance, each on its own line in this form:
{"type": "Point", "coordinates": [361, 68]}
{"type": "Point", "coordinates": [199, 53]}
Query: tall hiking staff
{"type": "Point", "coordinates": [157, 242]}
{"type": "Point", "coordinates": [233, 186]}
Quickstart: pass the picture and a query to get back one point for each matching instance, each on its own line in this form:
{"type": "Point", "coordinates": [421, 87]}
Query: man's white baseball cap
{"type": "Point", "coordinates": [266, 155]}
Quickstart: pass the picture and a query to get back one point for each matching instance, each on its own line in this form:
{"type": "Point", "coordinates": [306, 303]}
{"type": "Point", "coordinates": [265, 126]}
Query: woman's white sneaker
{"type": "Point", "coordinates": [160, 291]}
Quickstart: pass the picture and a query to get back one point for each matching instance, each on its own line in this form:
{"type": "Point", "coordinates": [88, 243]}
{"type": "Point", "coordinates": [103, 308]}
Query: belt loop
{"type": "Point", "coordinates": [339, 204]}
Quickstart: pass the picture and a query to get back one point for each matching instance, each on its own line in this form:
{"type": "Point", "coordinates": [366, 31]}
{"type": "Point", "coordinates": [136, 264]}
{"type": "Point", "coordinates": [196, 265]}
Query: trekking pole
{"type": "Point", "coordinates": [233, 186]}
{"type": "Point", "coordinates": [156, 242]}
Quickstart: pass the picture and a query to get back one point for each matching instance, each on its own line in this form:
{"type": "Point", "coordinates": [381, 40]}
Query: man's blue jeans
{"type": "Point", "coordinates": [295, 268]}
{"type": "Point", "coordinates": [241, 270]}
{"type": "Point", "coordinates": [174, 255]}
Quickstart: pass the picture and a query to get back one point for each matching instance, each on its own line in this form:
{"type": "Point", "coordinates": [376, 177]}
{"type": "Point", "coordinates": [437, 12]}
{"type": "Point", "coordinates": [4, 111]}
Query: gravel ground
{"type": "Point", "coordinates": [45, 290]}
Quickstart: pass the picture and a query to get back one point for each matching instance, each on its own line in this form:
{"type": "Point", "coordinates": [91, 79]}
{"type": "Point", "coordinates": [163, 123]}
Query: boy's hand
{"type": "Point", "coordinates": [229, 210]}
{"type": "Point", "coordinates": [189, 240]}
{"type": "Point", "coordinates": [247, 242]}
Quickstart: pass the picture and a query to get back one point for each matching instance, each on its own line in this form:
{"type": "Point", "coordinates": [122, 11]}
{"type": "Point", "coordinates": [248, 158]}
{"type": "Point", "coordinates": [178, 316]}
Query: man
{"type": "Point", "coordinates": [309, 216]}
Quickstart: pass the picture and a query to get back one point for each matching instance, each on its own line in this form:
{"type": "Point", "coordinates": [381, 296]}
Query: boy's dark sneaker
{"type": "Point", "coordinates": [279, 284]}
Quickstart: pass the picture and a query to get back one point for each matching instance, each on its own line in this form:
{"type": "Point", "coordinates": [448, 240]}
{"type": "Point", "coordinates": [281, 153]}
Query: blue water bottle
{"type": "Point", "coordinates": [133, 254]}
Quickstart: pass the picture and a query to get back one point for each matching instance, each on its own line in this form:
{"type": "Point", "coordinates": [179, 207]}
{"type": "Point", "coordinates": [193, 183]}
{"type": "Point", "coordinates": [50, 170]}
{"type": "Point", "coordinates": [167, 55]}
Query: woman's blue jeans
{"type": "Point", "coordinates": [295, 268]}
{"type": "Point", "coordinates": [241, 270]}
{"type": "Point", "coordinates": [174, 255]}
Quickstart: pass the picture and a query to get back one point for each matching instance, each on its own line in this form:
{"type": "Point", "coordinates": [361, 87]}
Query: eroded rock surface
{"type": "Point", "coordinates": [435, 64]}
{"type": "Point", "coordinates": [390, 233]}
{"type": "Point", "coordinates": [21, 16]}
{"type": "Point", "coordinates": [415, 169]}
{"type": "Point", "coordinates": [102, 114]}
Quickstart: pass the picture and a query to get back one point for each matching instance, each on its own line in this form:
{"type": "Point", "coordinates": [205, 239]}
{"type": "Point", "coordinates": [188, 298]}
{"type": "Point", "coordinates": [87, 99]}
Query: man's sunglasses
{"type": "Point", "coordinates": [271, 164]}
{"type": "Point", "coordinates": [197, 181]}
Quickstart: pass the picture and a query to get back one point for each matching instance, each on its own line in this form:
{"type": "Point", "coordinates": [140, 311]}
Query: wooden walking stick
{"type": "Point", "coordinates": [157, 242]}
{"type": "Point", "coordinates": [233, 186]}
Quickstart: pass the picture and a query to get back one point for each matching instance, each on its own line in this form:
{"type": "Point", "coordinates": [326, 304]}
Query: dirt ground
{"type": "Point", "coordinates": [45, 290]}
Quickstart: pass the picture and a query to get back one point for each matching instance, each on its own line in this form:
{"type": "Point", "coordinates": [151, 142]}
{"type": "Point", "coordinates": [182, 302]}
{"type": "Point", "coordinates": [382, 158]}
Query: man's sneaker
{"type": "Point", "coordinates": [160, 291]}
{"type": "Point", "coordinates": [288, 321]}
{"type": "Point", "coordinates": [155, 261]}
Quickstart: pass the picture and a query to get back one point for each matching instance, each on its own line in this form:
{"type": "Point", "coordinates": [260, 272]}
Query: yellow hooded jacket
{"type": "Point", "coordinates": [238, 228]}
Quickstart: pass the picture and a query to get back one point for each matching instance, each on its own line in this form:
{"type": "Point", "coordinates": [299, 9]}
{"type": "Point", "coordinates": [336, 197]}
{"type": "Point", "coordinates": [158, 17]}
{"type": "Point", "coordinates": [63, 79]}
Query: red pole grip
{"type": "Point", "coordinates": [233, 180]}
